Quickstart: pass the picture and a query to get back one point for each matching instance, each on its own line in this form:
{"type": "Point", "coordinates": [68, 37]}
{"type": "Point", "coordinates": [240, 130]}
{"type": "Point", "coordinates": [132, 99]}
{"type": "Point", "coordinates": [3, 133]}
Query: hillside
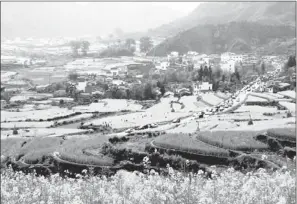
{"type": "Point", "coordinates": [270, 13]}
{"type": "Point", "coordinates": [235, 37]}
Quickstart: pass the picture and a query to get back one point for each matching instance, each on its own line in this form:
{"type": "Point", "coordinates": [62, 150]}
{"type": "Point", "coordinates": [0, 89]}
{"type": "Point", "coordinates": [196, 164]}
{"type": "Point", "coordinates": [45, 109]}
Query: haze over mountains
{"type": "Point", "coordinates": [271, 13]}
{"type": "Point", "coordinates": [71, 19]}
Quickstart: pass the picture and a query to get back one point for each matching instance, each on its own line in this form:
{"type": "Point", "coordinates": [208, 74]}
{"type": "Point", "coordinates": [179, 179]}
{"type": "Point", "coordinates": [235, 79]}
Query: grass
{"type": "Point", "coordinates": [183, 142]}
{"type": "Point", "coordinates": [82, 151]}
{"type": "Point", "coordinates": [37, 148]}
{"type": "Point", "coordinates": [12, 146]}
{"type": "Point", "coordinates": [283, 133]}
{"type": "Point", "coordinates": [235, 140]}
{"type": "Point", "coordinates": [72, 150]}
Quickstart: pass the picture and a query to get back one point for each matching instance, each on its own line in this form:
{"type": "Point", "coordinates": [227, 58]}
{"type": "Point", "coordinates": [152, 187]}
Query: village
{"type": "Point", "coordinates": [115, 99]}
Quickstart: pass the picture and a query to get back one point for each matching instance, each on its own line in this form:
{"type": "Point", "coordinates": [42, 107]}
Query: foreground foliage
{"type": "Point", "coordinates": [125, 187]}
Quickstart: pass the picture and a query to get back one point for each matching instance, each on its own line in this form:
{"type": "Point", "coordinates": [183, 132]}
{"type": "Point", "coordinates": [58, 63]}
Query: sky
{"type": "Point", "coordinates": [37, 19]}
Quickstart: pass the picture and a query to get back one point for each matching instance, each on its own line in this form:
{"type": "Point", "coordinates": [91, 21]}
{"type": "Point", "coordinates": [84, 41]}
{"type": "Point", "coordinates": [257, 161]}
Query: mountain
{"type": "Point", "coordinates": [238, 37]}
{"type": "Point", "coordinates": [270, 13]}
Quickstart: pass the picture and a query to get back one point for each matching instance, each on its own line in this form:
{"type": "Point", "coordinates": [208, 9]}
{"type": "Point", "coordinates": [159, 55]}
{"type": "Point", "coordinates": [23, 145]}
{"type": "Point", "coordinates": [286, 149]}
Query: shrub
{"type": "Point", "coordinates": [289, 114]}
{"type": "Point", "coordinates": [250, 122]}
{"type": "Point", "coordinates": [15, 131]}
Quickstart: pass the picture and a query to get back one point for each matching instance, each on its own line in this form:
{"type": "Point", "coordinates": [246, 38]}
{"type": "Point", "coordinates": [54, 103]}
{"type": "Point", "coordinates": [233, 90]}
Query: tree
{"type": "Point", "coordinates": [218, 73]}
{"type": "Point", "coordinates": [85, 47]}
{"type": "Point", "coordinates": [75, 45]}
{"type": "Point", "coordinates": [145, 44]}
{"type": "Point", "coordinates": [237, 75]}
{"type": "Point", "coordinates": [130, 43]}
{"type": "Point", "coordinates": [263, 68]}
{"type": "Point", "coordinates": [190, 67]}
{"type": "Point", "coordinates": [200, 72]}
{"type": "Point", "coordinates": [223, 78]}
{"type": "Point", "coordinates": [210, 72]}
{"type": "Point", "coordinates": [292, 61]}
{"type": "Point", "coordinates": [61, 102]}
{"type": "Point", "coordinates": [205, 72]}
{"type": "Point", "coordinates": [73, 76]}
{"type": "Point", "coordinates": [148, 93]}
{"type": "Point", "coordinates": [161, 86]}
{"type": "Point", "coordinates": [15, 131]}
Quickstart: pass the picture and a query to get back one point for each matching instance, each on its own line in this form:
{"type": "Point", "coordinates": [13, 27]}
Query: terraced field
{"type": "Point", "coordinates": [35, 114]}
{"type": "Point", "coordinates": [109, 105]}
{"type": "Point", "coordinates": [290, 106]}
{"type": "Point", "coordinates": [211, 98]}
{"type": "Point", "coordinates": [283, 133]}
{"type": "Point", "coordinates": [235, 140]}
{"type": "Point", "coordinates": [255, 99]}
{"type": "Point", "coordinates": [290, 94]}
{"type": "Point", "coordinates": [77, 149]}
{"type": "Point", "coordinates": [186, 143]}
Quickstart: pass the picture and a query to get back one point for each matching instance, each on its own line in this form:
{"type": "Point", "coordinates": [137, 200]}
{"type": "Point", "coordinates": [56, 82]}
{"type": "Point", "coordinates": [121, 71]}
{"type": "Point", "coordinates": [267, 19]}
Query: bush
{"type": "Point", "coordinates": [289, 114]}
{"type": "Point", "coordinates": [15, 131]}
{"type": "Point", "coordinates": [250, 122]}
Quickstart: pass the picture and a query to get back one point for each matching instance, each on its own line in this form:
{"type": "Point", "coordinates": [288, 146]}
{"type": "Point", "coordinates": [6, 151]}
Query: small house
{"type": "Point", "coordinates": [201, 87]}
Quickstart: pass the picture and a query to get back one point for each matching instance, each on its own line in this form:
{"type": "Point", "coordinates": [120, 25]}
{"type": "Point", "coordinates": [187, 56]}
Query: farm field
{"type": "Point", "coordinates": [210, 98]}
{"type": "Point", "coordinates": [138, 119]}
{"type": "Point", "coordinates": [290, 94]}
{"type": "Point", "coordinates": [240, 116]}
{"type": "Point", "coordinates": [7, 75]}
{"type": "Point", "coordinates": [223, 95]}
{"type": "Point", "coordinates": [11, 125]}
{"type": "Point", "coordinates": [77, 117]}
{"type": "Point", "coordinates": [191, 104]}
{"type": "Point", "coordinates": [162, 106]}
{"type": "Point", "coordinates": [25, 96]}
{"type": "Point", "coordinates": [109, 105]}
{"type": "Point", "coordinates": [257, 109]}
{"type": "Point", "coordinates": [265, 124]}
{"type": "Point", "coordinates": [263, 95]}
{"type": "Point", "coordinates": [235, 140]}
{"type": "Point", "coordinates": [255, 99]}
{"type": "Point", "coordinates": [283, 133]}
{"type": "Point", "coordinates": [41, 132]}
{"type": "Point", "coordinates": [290, 106]}
{"type": "Point", "coordinates": [35, 114]}
{"type": "Point", "coordinates": [184, 142]}
{"type": "Point", "coordinates": [71, 149]}
{"type": "Point", "coordinates": [44, 76]}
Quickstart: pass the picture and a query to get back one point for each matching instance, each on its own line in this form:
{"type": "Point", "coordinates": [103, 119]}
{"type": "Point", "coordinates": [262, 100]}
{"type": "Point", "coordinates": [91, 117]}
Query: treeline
{"type": "Point", "coordinates": [116, 52]}
{"type": "Point", "coordinates": [146, 91]}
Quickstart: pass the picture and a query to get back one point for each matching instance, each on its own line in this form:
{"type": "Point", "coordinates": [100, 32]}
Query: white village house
{"type": "Point", "coordinates": [201, 87]}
